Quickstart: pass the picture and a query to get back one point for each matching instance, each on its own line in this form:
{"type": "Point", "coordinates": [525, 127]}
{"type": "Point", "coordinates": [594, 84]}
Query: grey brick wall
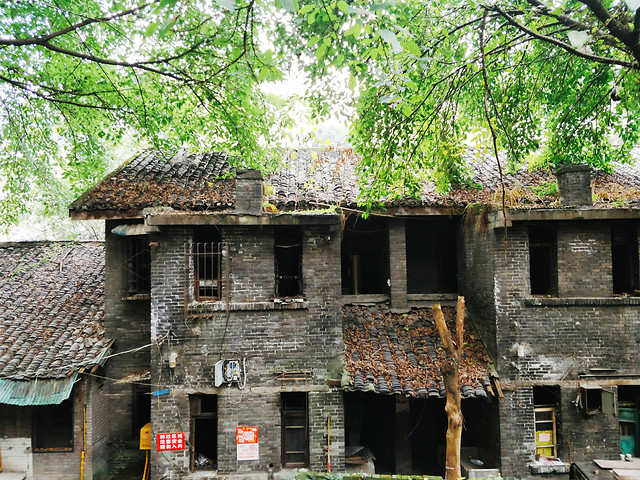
{"type": "Point", "coordinates": [270, 338]}
{"type": "Point", "coordinates": [550, 341]}
{"type": "Point", "coordinates": [128, 322]}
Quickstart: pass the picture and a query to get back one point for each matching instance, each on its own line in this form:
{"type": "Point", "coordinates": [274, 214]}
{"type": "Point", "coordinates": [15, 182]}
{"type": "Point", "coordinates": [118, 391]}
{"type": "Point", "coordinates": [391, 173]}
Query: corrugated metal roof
{"type": "Point", "coordinates": [36, 392]}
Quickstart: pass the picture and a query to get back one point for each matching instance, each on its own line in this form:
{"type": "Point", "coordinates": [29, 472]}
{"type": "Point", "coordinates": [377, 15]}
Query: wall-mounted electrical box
{"type": "Point", "coordinates": [227, 371]}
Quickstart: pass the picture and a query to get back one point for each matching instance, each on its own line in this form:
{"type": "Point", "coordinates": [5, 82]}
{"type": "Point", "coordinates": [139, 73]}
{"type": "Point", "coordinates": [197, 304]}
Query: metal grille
{"type": "Point", "coordinates": [207, 270]}
{"type": "Point", "coordinates": [137, 265]}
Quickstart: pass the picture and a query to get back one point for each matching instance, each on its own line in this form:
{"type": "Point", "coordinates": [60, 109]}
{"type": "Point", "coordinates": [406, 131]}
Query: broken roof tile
{"type": "Point", "coordinates": [402, 366]}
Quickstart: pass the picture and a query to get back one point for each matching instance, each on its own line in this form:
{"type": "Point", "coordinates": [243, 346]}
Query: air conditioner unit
{"type": "Point", "coordinates": [227, 371]}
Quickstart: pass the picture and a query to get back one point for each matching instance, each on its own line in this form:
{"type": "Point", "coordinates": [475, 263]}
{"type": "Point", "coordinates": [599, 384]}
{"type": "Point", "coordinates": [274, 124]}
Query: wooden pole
{"type": "Point", "coordinates": [449, 369]}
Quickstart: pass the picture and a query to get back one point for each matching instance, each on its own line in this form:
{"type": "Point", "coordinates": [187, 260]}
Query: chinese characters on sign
{"type": "Point", "coordinates": [170, 441]}
{"type": "Point", "coordinates": [247, 443]}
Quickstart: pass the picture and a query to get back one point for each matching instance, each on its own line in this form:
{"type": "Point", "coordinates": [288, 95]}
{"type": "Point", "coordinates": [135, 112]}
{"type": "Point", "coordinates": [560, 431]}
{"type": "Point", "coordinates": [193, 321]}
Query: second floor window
{"type": "Point", "coordinates": [288, 261]}
{"type": "Point", "coordinates": [207, 256]}
{"type": "Point", "coordinates": [624, 258]}
{"type": "Point", "coordinates": [137, 265]}
{"type": "Point", "coordinates": [542, 260]}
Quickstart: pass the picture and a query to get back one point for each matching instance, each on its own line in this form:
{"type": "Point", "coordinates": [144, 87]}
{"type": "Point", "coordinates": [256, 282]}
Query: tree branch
{"type": "Point", "coordinates": [573, 51]}
{"type": "Point", "coordinates": [40, 40]}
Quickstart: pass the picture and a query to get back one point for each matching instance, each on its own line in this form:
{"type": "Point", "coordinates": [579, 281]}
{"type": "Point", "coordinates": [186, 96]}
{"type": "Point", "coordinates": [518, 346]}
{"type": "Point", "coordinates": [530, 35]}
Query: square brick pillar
{"type": "Point", "coordinates": [398, 266]}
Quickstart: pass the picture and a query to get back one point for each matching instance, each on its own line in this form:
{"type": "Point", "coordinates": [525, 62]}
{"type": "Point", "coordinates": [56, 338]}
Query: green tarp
{"type": "Point", "coordinates": [36, 392]}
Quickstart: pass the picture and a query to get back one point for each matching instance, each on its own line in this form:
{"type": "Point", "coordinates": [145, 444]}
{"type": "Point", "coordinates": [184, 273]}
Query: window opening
{"type": "Point", "coordinates": [207, 256]}
{"type": "Point", "coordinates": [53, 427]}
{"type": "Point", "coordinates": [141, 409]}
{"type": "Point", "coordinates": [546, 400]}
{"type": "Point", "coordinates": [365, 256]}
{"type": "Point", "coordinates": [288, 261]}
{"type": "Point", "coordinates": [137, 265]}
{"type": "Point", "coordinates": [629, 419]}
{"type": "Point", "coordinates": [431, 255]}
{"type": "Point", "coordinates": [295, 438]}
{"type": "Point", "coordinates": [542, 260]}
{"type": "Point", "coordinates": [204, 431]}
{"type": "Point", "coordinates": [624, 258]}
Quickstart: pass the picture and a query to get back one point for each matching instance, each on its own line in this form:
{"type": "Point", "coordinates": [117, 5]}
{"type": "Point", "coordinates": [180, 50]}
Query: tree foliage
{"type": "Point", "coordinates": [79, 76]}
{"type": "Point", "coordinates": [551, 82]}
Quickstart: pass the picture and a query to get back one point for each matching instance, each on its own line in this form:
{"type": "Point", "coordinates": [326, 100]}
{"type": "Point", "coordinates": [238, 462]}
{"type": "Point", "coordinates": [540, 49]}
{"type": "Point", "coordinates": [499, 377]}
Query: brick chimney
{"type": "Point", "coordinates": [574, 184]}
{"type": "Point", "coordinates": [249, 192]}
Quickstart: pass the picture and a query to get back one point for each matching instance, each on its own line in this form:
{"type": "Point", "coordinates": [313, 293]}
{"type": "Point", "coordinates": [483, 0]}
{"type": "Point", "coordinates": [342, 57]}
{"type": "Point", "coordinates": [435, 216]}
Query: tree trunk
{"type": "Point", "coordinates": [449, 370]}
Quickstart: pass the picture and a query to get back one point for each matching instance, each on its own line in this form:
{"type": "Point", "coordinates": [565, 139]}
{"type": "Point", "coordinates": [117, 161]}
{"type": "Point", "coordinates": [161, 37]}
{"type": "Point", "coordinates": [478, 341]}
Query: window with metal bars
{"type": "Point", "coordinates": [288, 261]}
{"type": "Point", "coordinates": [137, 265]}
{"type": "Point", "coordinates": [295, 430]}
{"type": "Point", "coordinates": [205, 265]}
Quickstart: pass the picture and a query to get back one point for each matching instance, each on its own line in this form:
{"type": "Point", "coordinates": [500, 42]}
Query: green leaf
{"type": "Point", "coordinates": [342, 5]}
{"type": "Point", "coordinates": [411, 47]}
{"type": "Point", "coordinates": [322, 49]}
{"type": "Point", "coordinates": [390, 37]}
{"type": "Point", "coordinates": [289, 5]}
{"type": "Point", "coordinates": [151, 29]}
{"type": "Point", "coordinates": [306, 9]}
{"type": "Point", "coordinates": [227, 4]}
{"type": "Point", "coordinates": [353, 30]}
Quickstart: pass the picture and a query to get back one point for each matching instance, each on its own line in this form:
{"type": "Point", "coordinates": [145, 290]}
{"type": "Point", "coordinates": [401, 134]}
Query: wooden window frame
{"type": "Point", "coordinates": [287, 414]}
{"type": "Point", "coordinates": [137, 265]}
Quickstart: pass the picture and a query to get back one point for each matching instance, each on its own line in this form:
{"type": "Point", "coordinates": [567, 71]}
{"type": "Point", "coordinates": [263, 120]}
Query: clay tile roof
{"type": "Point", "coordinates": [184, 182]}
{"type": "Point", "coordinates": [312, 178]}
{"type": "Point", "coordinates": [400, 353]}
{"type": "Point", "coordinates": [51, 309]}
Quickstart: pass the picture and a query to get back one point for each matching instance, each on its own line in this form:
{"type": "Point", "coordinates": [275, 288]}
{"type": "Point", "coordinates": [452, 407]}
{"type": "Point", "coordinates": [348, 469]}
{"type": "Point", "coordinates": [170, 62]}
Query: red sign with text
{"type": "Point", "coordinates": [246, 435]}
{"type": "Point", "coordinates": [170, 441]}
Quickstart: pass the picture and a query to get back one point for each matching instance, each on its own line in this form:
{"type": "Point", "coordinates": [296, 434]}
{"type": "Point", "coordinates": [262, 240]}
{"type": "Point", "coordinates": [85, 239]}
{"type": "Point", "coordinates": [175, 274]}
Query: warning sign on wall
{"type": "Point", "coordinates": [170, 441]}
{"type": "Point", "coordinates": [247, 443]}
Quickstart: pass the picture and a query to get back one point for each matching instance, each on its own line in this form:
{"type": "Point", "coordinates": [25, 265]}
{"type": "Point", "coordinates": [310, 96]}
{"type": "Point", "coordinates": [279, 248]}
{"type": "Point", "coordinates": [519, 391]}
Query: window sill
{"type": "Point", "coordinates": [206, 308]}
{"type": "Point", "coordinates": [138, 296]}
{"type": "Point", "coordinates": [581, 301]}
{"type": "Point", "coordinates": [364, 299]}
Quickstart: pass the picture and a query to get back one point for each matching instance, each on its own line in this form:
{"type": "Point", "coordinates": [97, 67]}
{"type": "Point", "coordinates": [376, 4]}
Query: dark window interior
{"type": "Point", "coordinates": [137, 265]}
{"type": "Point", "coordinates": [295, 445]}
{"type": "Point", "coordinates": [542, 260]}
{"type": "Point", "coordinates": [431, 256]}
{"type": "Point", "coordinates": [53, 427]}
{"type": "Point", "coordinates": [288, 261]}
{"type": "Point", "coordinates": [141, 409]}
{"type": "Point", "coordinates": [365, 256]}
{"type": "Point", "coordinates": [207, 262]}
{"type": "Point", "coordinates": [204, 432]}
{"type": "Point", "coordinates": [624, 258]}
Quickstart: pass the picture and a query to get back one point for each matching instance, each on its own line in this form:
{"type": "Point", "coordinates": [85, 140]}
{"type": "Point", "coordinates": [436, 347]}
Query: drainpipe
{"type": "Point", "coordinates": [84, 440]}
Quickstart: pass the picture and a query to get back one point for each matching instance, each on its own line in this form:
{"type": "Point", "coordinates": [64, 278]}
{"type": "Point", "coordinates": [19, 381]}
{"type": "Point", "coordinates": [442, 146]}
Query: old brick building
{"type": "Point", "coordinates": [248, 306]}
{"type": "Point", "coordinates": [52, 343]}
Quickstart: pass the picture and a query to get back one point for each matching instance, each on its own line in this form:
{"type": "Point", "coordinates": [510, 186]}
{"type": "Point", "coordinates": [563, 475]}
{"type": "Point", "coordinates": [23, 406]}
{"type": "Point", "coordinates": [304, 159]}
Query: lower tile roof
{"type": "Point", "coordinates": [51, 309]}
{"type": "Point", "coordinates": [390, 353]}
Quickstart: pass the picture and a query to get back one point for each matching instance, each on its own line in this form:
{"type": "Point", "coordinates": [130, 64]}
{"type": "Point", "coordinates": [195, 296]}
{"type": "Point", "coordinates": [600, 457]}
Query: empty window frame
{"type": "Point", "coordinates": [204, 431]}
{"type": "Point", "coordinates": [137, 265]}
{"type": "Point", "coordinates": [365, 256]}
{"type": "Point", "coordinates": [624, 258]}
{"type": "Point", "coordinates": [542, 260]}
{"type": "Point", "coordinates": [207, 261]}
{"type": "Point", "coordinates": [53, 427]}
{"type": "Point", "coordinates": [288, 261]}
{"type": "Point", "coordinates": [295, 430]}
{"type": "Point", "coordinates": [546, 400]}
{"type": "Point", "coordinates": [431, 255]}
